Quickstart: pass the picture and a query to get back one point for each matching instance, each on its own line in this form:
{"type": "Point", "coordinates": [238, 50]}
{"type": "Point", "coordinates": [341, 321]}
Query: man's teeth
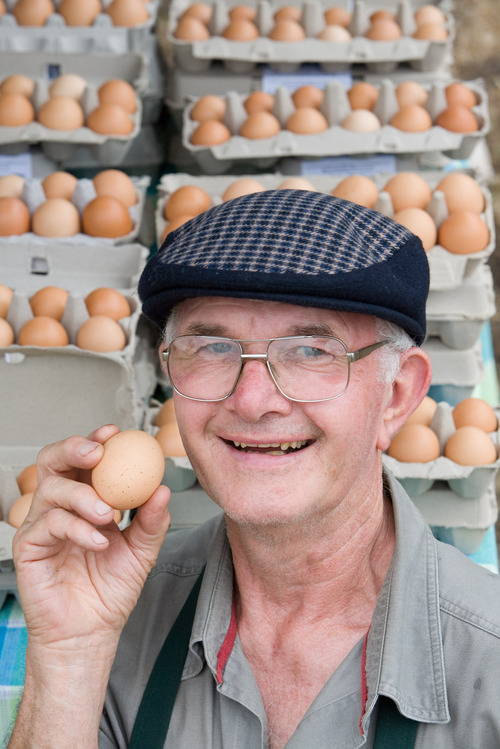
{"type": "Point", "coordinates": [283, 446]}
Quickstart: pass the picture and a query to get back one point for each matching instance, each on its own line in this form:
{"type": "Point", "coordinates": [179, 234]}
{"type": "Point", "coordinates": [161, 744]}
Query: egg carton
{"type": "Point", "coordinates": [60, 145]}
{"type": "Point", "coordinates": [56, 36]}
{"type": "Point", "coordinates": [179, 474]}
{"type": "Point", "coordinates": [336, 140]}
{"type": "Point", "coordinates": [457, 371]}
{"type": "Point", "coordinates": [33, 196]}
{"type": "Point", "coordinates": [448, 271]}
{"type": "Point", "coordinates": [287, 56]}
{"type": "Point", "coordinates": [466, 482]}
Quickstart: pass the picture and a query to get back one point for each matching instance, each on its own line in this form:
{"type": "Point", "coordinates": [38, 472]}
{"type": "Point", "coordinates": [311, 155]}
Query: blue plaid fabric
{"type": "Point", "coordinates": [295, 246]}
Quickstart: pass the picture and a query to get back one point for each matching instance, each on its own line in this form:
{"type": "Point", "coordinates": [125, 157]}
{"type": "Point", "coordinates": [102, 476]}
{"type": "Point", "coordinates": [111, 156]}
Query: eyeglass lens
{"type": "Point", "coordinates": [304, 368]}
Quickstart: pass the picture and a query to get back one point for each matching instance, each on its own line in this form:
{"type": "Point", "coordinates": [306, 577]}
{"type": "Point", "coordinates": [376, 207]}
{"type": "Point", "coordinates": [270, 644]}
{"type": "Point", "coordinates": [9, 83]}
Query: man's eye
{"type": "Point", "coordinates": [216, 349]}
{"type": "Point", "coordinates": [310, 352]}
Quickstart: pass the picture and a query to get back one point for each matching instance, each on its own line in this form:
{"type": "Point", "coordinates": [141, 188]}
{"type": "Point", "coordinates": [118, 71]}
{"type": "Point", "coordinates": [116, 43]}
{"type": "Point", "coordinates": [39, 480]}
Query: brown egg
{"type": "Point", "coordinates": [260, 125]}
{"type": "Point", "coordinates": [475, 412]}
{"type": "Point", "coordinates": [464, 233]}
{"type": "Point", "coordinates": [361, 121]}
{"type": "Point", "coordinates": [170, 441]}
{"type": "Point", "coordinates": [408, 190]}
{"type": "Point", "coordinates": [68, 84]}
{"type": "Point", "coordinates": [241, 30]}
{"type": "Point", "coordinates": [15, 110]}
{"type": "Point", "coordinates": [458, 93]}
{"type": "Point", "coordinates": [33, 12]}
{"type": "Point", "coordinates": [412, 119]}
{"type": "Point", "coordinates": [378, 14]}
{"type": "Point", "coordinates": [11, 186]}
{"type": "Point", "coordinates": [287, 30]}
{"type": "Point", "coordinates": [59, 185]}
{"type": "Point", "coordinates": [7, 336]}
{"type": "Point", "coordinates": [166, 413]}
{"type": "Point", "coordinates": [307, 96]}
{"type": "Point", "coordinates": [117, 91]}
{"type": "Point", "coordinates": [6, 294]}
{"type": "Point", "coordinates": [433, 32]}
{"type": "Point", "coordinates": [462, 193]}
{"type": "Point", "coordinates": [290, 12]}
{"type": "Point", "coordinates": [307, 121]}
{"type": "Point", "coordinates": [201, 11]}
{"type": "Point", "coordinates": [56, 217]}
{"type": "Point", "coordinates": [424, 413]}
{"type": "Point", "coordinates": [43, 331]}
{"type": "Point", "coordinates": [420, 223]}
{"type": "Point", "coordinates": [107, 301]}
{"type": "Point", "coordinates": [414, 443]}
{"type": "Point", "coordinates": [27, 479]}
{"type": "Point", "coordinates": [258, 101]}
{"type": "Point", "coordinates": [334, 33]}
{"type": "Point", "coordinates": [61, 113]}
{"type": "Point", "coordinates": [429, 14]}
{"type": "Point", "coordinates": [14, 217]}
{"type": "Point", "coordinates": [239, 187]}
{"type": "Point", "coordinates": [19, 510]}
{"type": "Point", "coordinates": [17, 84]}
{"type": "Point", "coordinates": [76, 13]}
{"type": "Point", "coordinates": [210, 133]}
{"type": "Point", "coordinates": [127, 13]}
{"type": "Point", "coordinates": [116, 183]}
{"type": "Point", "coordinates": [411, 92]}
{"type": "Point", "coordinates": [110, 119]}
{"type": "Point", "coordinates": [175, 223]}
{"type": "Point", "coordinates": [208, 107]}
{"type": "Point", "coordinates": [190, 29]}
{"type": "Point", "coordinates": [49, 301]}
{"type": "Point", "coordinates": [296, 183]}
{"type": "Point", "coordinates": [457, 119]}
{"type": "Point", "coordinates": [130, 470]}
{"type": "Point", "coordinates": [358, 189]}
{"type": "Point", "coordinates": [383, 30]}
{"type": "Point", "coordinates": [105, 216]}
{"type": "Point", "coordinates": [101, 333]}
{"type": "Point", "coordinates": [362, 95]}
{"type": "Point", "coordinates": [242, 11]}
{"type": "Point", "coordinates": [188, 200]}
{"type": "Point", "coordinates": [470, 446]}
{"type": "Point", "coordinates": [337, 16]}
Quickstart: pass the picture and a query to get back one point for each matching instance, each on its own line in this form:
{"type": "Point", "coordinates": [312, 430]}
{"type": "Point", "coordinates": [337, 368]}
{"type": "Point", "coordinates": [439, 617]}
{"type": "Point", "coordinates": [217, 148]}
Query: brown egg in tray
{"type": "Point", "coordinates": [244, 36]}
{"type": "Point", "coordinates": [335, 127]}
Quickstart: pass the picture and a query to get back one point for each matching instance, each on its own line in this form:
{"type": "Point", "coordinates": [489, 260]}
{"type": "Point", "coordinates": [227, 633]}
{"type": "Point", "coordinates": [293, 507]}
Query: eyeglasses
{"type": "Point", "coordinates": [304, 368]}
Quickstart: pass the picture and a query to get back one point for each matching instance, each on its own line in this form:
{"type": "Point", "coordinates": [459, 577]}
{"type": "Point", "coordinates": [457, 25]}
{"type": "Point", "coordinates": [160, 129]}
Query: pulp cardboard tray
{"type": "Point", "coordinates": [465, 482]}
{"type": "Point", "coordinates": [179, 474]}
{"type": "Point", "coordinates": [56, 36]}
{"type": "Point", "coordinates": [72, 267]}
{"type": "Point", "coordinates": [457, 316]}
{"type": "Point", "coordinates": [447, 270]}
{"type": "Point", "coordinates": [33, 196]}
{"type": "Point", "coordinates": [287, 56]}
{"type": "Point", "coordinates": [461, 370]}
{"type": "Point", "coordinates": [336, 140]}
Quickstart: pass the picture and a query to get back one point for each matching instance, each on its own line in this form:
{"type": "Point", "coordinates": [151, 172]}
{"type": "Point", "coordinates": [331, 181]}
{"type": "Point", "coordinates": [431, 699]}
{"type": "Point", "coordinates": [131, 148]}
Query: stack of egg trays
{"type": "Point", "coordinates": [285, 57]}
{"type": "Point", "coordinates": [179, 474]}
{"type": "Point", "coordinates": [32, 195]}
{"type": "Point", "coordinates": [458, 499]}
{"type": "Point", "coordinates": [336, 140]}
{"type": "Point", "coordinates": [60, 145]}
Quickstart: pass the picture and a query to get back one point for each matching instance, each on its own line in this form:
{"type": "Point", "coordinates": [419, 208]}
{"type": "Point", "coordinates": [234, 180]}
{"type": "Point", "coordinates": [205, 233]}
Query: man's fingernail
{"type": "Point", "coordinates": [87, 447]}
{"type": "Point", "coordinates": [101, 507]}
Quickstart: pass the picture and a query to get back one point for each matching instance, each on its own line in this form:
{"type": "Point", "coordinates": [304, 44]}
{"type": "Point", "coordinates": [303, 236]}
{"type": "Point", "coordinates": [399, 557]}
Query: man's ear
{"type": "Point", "coordinates": [408, 389]}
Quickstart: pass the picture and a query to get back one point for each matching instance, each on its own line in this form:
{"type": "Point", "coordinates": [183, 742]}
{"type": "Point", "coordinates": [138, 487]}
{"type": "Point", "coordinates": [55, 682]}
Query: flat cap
{"type": "Point", "coordinates": [295, 246]}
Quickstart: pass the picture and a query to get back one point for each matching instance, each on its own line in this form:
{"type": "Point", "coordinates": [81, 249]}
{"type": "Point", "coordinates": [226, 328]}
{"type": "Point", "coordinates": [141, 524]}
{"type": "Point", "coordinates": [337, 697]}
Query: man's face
{"type": "Point", "coordinates": [261, 484]}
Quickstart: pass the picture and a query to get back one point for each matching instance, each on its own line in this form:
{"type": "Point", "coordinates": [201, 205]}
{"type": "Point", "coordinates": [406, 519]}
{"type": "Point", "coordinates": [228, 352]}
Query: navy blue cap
{"type": "Point", "coordinates": [295, 246]}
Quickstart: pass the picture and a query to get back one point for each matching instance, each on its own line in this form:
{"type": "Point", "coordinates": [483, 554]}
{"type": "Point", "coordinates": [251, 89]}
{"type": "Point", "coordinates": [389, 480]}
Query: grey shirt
{"type": "Point", "coordinates": [433, 646]}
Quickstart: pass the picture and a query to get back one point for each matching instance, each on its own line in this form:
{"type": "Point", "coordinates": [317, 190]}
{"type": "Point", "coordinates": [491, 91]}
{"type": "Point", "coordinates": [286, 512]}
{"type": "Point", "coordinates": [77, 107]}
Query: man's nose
{"type": "Point", "coordinates": [256, 392]}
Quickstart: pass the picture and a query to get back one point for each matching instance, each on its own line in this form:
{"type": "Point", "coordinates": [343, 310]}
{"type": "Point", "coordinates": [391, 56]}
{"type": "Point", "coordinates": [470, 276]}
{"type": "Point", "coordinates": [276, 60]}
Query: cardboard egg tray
{"type": "Point", "coordinates": [458, 371]}
{"type": "Point", "coordinates": [336, 140]}
{"type": "Point", "coordinates": [448, 271]}
{"type": "Point", "coordinates": [179, 474]}
{"type": "Point", "coordinates": [33, 196]}
{"type": "Point", "coordinates": [60, 145]}
{"type": "Point", "coordinates": [56, 36]}
{"type": "Point", "coordinates": [287, 56]}
{"type": "Point", "coordinates": [467, 482]}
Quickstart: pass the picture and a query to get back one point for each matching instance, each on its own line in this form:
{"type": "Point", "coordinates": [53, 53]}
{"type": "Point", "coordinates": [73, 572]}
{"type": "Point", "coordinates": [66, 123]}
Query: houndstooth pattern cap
{"type": "Point", "coordinates": [295, 246]}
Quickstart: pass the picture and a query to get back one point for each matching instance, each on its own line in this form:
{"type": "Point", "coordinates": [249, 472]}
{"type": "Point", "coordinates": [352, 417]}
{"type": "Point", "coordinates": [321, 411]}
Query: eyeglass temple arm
{"type": "Point", "coordinates": [362, 352]}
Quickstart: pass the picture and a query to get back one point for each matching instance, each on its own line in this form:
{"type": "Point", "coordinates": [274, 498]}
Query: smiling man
{"type": "Point", "coordinates": [317, 610]}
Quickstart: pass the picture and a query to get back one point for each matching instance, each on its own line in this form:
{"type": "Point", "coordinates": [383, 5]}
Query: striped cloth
{"type": "Point", "coordinates": [13, 639]}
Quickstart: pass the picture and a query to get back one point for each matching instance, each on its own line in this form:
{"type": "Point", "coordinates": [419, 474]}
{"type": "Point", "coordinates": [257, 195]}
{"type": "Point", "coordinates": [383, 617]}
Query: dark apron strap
{"type": "Point", "coordinates": [153, 718]}
{"type": "Point", "coordinates": [393, 731]}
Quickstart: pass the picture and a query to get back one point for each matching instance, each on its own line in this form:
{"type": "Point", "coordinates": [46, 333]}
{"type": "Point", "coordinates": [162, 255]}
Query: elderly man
{"type": "Point", "coordinates": [318, 610]}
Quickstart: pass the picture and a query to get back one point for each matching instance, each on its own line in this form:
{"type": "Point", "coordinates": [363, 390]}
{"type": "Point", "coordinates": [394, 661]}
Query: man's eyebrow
{"type": "Point", "coordinates": [208, 329]}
